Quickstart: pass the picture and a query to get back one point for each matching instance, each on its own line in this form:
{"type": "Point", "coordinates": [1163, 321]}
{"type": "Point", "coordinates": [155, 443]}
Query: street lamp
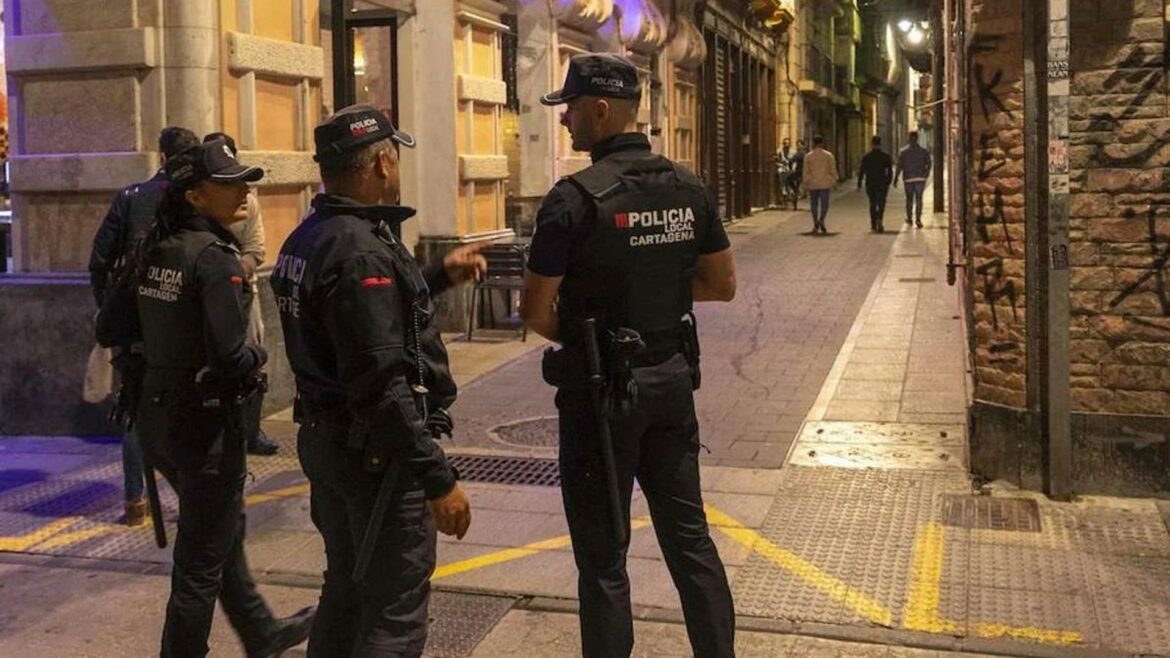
{"type": "Point", "coordinates": [915, 36]}
{"type": "Point", "coordinates": [904, 25]}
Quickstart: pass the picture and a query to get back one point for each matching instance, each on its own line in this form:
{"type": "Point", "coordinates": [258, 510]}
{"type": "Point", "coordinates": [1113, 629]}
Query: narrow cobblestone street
{"type": "Point", "coordinates": [765, 355]}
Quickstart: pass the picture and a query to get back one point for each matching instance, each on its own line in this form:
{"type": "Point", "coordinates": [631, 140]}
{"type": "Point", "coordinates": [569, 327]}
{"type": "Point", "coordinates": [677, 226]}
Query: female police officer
{"type": "Point", "coordinates": [191, 304]}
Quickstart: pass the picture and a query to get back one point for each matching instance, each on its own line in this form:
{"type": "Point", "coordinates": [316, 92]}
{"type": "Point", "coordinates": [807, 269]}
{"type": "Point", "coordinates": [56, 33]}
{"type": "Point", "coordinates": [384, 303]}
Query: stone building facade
{"type": "Point", "coordinates": [1118, 236]}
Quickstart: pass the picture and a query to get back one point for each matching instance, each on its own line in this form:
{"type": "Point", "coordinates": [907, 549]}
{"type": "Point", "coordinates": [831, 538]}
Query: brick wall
{"type": "Point", "coordinates": [996, 201]}
{"type": "Point", "coordinates": [1119, 151]}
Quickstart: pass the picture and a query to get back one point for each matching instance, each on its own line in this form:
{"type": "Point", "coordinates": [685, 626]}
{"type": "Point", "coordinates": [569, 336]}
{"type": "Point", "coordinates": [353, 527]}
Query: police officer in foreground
{"type": "Point", "coordinates": [630, 243]}
{"type": "Point", "coordinates": [191, 298]}
{"type": "Point", "coordinates": [373, 386]}
{"type": "Point", "coordinates": [129, 217]}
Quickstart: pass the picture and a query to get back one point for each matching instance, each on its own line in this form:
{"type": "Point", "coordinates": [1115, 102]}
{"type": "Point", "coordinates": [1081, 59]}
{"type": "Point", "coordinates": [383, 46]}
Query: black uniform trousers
{"type": "Point", "coordinates": [877, 203]}
{"type": "Point", "coordinates": [202, 456]}
{"type": "Point", "coordinates": [658, 443]}
{"type": "Point", "coordinates": [385, 616]}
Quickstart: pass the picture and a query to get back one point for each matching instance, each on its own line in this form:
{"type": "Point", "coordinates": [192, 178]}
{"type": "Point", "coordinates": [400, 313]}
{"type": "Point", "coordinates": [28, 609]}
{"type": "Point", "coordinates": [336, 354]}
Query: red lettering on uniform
{"type": "Point", "coordinates": [622, 220]}
{"type": "Point", "coordinates": [236, 280]}
{"type": "Point", "coordinates": [377, 281]}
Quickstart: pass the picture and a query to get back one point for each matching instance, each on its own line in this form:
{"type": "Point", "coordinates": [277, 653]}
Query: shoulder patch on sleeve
{"type": "Point", "coordinates": [377, 282]}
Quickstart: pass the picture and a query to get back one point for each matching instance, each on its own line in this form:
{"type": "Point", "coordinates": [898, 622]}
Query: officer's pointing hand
{"type": "Point", "coordinates": [466, 262]}
{"type": "Point", "coordinates": [452, 512]}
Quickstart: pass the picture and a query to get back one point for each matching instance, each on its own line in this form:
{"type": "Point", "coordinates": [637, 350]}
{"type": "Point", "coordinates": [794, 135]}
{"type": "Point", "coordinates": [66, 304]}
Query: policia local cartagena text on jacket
{"type": "Point", "coordinates": [629, 243]}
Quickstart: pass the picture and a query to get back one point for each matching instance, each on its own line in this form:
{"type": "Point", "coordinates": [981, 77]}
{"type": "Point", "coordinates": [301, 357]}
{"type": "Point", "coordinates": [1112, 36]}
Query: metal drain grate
{"type": "Point", "coordinates": [987, 513]}
{"type": "Point", "coordinates": [459, 622]}
{"type": "Point", "coordinates": [507, 470]}
{"type": "Point", "coordinates": [917, 280]}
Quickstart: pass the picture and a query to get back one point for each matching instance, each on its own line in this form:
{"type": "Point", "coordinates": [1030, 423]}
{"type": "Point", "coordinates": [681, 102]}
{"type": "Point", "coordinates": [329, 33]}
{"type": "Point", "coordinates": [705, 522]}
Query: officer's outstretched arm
{"type": "Point", "coordinates": [364, 316]}
{"type": "Point", "coordinates": [220, 277]}
{"type": "Point", "coordinates": [714, 277]}
{"type": "Point", "coordinates": [538, 304]}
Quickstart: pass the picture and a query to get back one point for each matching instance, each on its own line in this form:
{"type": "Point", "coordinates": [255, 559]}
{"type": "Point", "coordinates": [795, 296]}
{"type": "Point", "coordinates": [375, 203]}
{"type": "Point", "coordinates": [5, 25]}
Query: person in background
{"type": "Point", "coordinates": [876, 172]}
{"type": "Point", "coordinates": [820, 177]}
{"type": "Point", "coordinates": [128, 219]}
{"type": "Point", "coordinates": [250, 234]}
{"type": "Point", "coordinates": [914, 167]}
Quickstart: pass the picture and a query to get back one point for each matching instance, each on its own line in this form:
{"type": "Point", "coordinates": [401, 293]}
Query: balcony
{"type": "Point", "coordinates": [818, 77]}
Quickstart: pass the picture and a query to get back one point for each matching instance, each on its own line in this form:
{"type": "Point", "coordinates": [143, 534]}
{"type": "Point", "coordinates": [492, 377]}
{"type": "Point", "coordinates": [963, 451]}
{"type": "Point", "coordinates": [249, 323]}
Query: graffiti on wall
{"type": "Point", "coordinates": [995, 285]}
{"type": "Point", "coordinates": [1156, 272]}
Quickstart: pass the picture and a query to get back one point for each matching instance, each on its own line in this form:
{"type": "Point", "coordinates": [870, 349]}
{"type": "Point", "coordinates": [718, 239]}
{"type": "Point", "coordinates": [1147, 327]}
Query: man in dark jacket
{"type": "Point", "coordinates": [373, 385]}
{"type": "Point", "coordinates": [624, 247]}
{"type": "Point", "coordinates": [130, 215]}
{"type": "Point", "coordinates": [876, 171]}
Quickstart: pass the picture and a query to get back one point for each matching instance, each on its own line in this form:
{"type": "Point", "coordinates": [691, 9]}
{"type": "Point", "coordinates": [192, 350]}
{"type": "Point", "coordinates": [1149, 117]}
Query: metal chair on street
{"type": "Point", "coordinates": [506, 264]}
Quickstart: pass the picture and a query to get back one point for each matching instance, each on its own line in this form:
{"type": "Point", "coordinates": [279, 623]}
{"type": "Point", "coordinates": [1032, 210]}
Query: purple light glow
{"type": "Point", "coordinates": [633, 14]}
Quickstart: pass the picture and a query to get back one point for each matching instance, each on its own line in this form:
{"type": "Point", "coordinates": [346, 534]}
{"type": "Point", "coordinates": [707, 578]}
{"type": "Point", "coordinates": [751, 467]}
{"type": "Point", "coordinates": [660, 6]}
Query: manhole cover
{"type": "Point", "coordinates": [917, 280]}
{"type": "Point", "coordinates": [507, 470]}
{"type": "Point", "coordinates": [988, 513]}
{"type": "Point", "coordinates": [530, 433]}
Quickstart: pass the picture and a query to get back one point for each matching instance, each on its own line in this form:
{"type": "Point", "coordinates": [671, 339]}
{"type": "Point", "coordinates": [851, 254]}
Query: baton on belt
{"type": "Point", "coordinates": [382, 502]}
{"type": "Point", "coordinates": [596, 383]}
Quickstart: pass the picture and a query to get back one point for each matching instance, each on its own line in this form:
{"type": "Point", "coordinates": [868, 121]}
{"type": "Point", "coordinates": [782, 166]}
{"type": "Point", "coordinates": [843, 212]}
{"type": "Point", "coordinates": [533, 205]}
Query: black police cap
{"type": "Point", "coordinates": [602, 75]}
{"type": "Point", "coordinates": [209, 161]}
{"type": "Point", "coordinates": [352, 128]}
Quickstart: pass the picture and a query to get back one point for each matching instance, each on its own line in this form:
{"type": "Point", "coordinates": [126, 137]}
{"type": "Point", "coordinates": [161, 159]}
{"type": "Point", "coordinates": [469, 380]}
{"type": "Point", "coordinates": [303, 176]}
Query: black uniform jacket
{"type": "Point", "coordinates": [191, 296]}
{"type": "Point", "coordinates": [347, 291]}
{"type": "Point", "coordinates": [129, 216]}
{"type": "Point", "coordinates": [877, 169]}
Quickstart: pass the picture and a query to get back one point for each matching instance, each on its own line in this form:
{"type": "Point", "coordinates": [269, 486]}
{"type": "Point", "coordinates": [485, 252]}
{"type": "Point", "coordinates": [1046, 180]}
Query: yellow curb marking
{"type": "Point", "coordinates": [922, 607]}
{"type": "Point", "coordinates": [78, 536]}
{"type": "Point", "coordinates": [30, 539]}
{"type": "Point", "coordinates": [509, 554]}
{"type": "Point", "coordinates": [52, 535]}
{"type": "Point", "coordinates": [836, 589]}
{"type": "Point", "coordinates": [277, 494]}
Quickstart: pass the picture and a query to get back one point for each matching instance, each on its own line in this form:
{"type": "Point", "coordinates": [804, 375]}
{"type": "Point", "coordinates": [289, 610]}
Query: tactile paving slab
{"type": "Point", "coordinates": [857, 526]}
{"type": "Point", "coordinates": [459, 622]}
{"type": "Point", "coordinates": [1095, 574]}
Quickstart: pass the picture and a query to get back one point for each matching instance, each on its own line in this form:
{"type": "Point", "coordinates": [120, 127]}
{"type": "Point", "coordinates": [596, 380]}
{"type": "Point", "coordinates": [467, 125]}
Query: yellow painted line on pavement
{"type": "Point", "coordinates": [510, 554]}
{"type": "Point", "coordinates": [810, 573]}
{"type": "Point", "coordinates": [78, 536]}
{"type": "Point", "coordinates": [52, 535]}
{"type": "Point", "coordinates": [922, 607]}
{"type": "Point", "coordinates": [30, 539]}
{"type": "Point", "coordinates": [277, 494]}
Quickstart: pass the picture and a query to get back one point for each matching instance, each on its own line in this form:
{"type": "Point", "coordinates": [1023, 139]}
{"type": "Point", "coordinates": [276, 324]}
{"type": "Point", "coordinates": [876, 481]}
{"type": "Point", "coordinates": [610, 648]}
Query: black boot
{"type": "Point", "coordinates": [260, 444]}
{"type": "Point", "coordinates": [288, 633]}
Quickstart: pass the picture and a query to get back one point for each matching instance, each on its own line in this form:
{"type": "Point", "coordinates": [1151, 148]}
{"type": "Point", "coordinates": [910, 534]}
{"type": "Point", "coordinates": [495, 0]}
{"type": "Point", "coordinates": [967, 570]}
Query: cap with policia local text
{"type": "Point", "coordinates": [602, 75]}
{"type": "Point", "coordinates": [353, 127]}
{"type": "Point", "coordinates": [209, 161]}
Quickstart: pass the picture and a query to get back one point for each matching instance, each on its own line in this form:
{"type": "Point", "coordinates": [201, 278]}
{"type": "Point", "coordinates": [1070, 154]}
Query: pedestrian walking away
{"type": "Point", "coordinates": [129, 217]}
{"type": "Point", "coordinates": [250, 234]}
{"type": "Point", "coordinates": [191, 296]}
{"type": "Point", "coordinates": [820, 178]}
{"type": "Point", "coordinates": [372, 390]}
{"type": "Point", "coordinates": [876, 172]}
{"type": "Point", "coordinates": [625, 246]}
{"type": "Point", "coordinates": [914, 168]}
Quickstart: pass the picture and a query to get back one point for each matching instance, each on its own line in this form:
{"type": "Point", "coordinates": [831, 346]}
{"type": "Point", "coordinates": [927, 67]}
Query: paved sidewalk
{"type": "Point", "coordinates": [868, 536]}
{"type": "Point", "coordinates": [765, 355]}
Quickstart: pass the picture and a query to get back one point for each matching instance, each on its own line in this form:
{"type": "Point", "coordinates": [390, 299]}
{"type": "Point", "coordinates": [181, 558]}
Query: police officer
{"type": "Point", "coordinates": [630, 242]}
{"type": "Point", "coordinates": [191, 298]}
{"type": "Point", "coordinates": [129, 217]}
{"type": "Point", "coordinates": [373, 385]}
